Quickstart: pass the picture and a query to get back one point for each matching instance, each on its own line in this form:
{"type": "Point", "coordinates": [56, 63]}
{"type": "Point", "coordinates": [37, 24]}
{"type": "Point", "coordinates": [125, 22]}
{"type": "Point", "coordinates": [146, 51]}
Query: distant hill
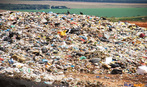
{"type": "Point", "coordinates": [29, 7]}
{"type": "Point", "coordinates": [112, 1]}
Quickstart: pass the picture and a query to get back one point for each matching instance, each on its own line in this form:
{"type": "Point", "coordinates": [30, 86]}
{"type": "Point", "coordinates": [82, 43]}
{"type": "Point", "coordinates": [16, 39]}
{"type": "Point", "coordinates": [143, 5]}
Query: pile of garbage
{"type": "Point", "coordinates": [42, 46]}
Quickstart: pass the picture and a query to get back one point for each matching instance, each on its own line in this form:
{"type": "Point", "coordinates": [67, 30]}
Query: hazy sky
{"type": "Point", "coordinates": [132, 1]}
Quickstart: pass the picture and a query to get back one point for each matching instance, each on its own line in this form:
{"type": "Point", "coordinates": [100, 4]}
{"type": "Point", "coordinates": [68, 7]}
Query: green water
{"type": "Point", "coordinates": [105, 12]}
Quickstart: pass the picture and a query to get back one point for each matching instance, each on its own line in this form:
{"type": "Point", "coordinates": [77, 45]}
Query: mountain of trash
{"type": "Point", "coordinates": [44, 47]}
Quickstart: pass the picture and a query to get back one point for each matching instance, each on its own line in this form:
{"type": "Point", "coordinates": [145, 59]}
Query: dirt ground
{"type": "Point", "coordinates": [141, 24]}
{"type": "Point", "coordinates": [110, 80]}
{"type": "Point", "coordinates": [2, 11]}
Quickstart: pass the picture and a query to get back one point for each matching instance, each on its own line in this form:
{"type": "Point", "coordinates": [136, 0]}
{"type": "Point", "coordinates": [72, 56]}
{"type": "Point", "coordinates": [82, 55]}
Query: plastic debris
{"type": "Point", "coordinates": [142, 70]}
{"type": "Point", "coordinates": [45, 47]}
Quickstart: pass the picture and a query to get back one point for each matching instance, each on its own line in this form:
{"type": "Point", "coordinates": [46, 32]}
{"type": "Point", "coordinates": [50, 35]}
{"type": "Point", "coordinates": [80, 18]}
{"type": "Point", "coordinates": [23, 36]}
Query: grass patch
{"type": "Point", "coordinates": [137, 18]}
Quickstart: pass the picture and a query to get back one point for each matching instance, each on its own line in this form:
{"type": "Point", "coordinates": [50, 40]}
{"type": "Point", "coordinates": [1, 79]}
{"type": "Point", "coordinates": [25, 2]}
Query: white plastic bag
{"type": "Point", "coordinates": [142, 69]}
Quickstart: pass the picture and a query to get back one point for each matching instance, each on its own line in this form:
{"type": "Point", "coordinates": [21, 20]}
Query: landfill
{"type": "Point", "coordinates": [44, 47]}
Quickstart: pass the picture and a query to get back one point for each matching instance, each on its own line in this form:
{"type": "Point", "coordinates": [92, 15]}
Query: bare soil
{"type": "Point", "coordinates": [141, 24]}
{"type": "Point", "coordinates": [2, 11]}
{"type": "Point", "coordinates": [110, 80]}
